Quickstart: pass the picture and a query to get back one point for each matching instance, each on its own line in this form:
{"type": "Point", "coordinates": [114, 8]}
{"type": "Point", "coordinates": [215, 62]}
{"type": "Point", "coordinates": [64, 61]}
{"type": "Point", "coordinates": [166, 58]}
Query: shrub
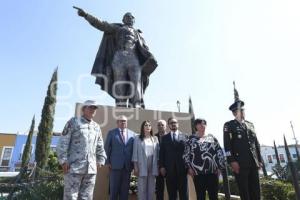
{"type": "Point", "coordinates": [289, 173]}
{"type": "Point", "coordinates": [46, 190]}
{"type": "Point", "coordinates": [53, 164]}
{"type": "Point", "coordinates": [49, 186]}
{"type": "Point", "coordinates": [275, 189]}
{"type": "Point", "coordinates": [291, 195]}
{"type": "Point", "coordinates": [270, 189]}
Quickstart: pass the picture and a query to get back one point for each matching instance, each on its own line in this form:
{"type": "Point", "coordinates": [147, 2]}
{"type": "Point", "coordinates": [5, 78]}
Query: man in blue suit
{"type": "Point", "coordinates": [118, 147]}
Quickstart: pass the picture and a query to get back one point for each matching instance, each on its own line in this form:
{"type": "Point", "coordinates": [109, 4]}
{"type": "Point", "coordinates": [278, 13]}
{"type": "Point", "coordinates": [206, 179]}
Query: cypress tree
{"type": "Point", "coordinates": [276, 154]}
{"type": "Point", "coordinates": [293, 170]}
{"type": "Point", "coordinates": [264, 168]}
{"type": "Point", "coordinates": [27, 149]}
{"type": "Point", "coordinates": [45, 128]}
{"type": "Point", "coordinates": [278, 170]}
{"type": "Point", "coordinates": [191, 112]}
{"type": "Point", "coordinates": [296, 142]}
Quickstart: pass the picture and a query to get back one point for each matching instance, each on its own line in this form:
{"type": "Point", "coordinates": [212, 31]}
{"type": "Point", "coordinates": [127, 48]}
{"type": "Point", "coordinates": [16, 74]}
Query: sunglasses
{"type": "Point", "coordinates": [93, 107]}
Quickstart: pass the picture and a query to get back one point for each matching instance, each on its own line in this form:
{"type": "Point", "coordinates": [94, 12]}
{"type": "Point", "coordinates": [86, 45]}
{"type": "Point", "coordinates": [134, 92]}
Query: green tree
{"type": "Point", "coordinates": [191, 112]}
{"type": "Point", "coordinates": [276, 153]}
{"type": "Point", "coordinates": [279, 171]}
{"type": "Point", "coordinates": [293, 170]}
{"type": "Point", "coordinates": [45, 128]}
{"type": "Point", "coordinates": [27, 149]}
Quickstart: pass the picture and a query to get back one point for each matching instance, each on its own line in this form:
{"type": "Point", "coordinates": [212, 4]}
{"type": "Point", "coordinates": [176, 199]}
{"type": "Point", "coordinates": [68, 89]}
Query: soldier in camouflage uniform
{"type": "Point", "coordinates": [243, 151]}
{"type": "Point", "coordinates": [80, 152]}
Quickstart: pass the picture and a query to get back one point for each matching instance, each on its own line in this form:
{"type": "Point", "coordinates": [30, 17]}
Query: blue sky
{"type": "Point", "coordinates": [201, 47]}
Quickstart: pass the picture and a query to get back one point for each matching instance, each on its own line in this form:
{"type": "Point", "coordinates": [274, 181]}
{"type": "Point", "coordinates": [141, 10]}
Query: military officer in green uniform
{"type": "Point", "coordinates": [243, 151]}
{"type": "Point", "coordinates": [80, 152]}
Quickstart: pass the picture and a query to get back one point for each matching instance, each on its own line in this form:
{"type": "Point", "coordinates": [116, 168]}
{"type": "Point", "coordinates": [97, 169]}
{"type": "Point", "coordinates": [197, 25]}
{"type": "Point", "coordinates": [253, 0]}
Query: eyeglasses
{"type": "Point", "coordinates": [92, 107]}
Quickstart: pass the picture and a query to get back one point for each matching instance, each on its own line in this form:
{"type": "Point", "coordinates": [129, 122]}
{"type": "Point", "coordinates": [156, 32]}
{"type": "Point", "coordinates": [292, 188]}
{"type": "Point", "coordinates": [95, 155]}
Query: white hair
{"type": "Point", "coordinates": [162, 121]}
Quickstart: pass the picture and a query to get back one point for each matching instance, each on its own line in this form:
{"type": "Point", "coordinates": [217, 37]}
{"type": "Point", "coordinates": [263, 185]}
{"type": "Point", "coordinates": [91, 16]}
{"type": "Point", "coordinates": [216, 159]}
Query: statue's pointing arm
{"type": "Point", "coordinates": [97, 23]}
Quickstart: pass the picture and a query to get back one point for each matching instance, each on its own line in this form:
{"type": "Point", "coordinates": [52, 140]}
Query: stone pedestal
{"type": "Point", "coordinates": [106, 116]}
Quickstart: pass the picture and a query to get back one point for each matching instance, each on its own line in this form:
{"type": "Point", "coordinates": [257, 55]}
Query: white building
{"type": "Point", "coordinates": [268, 155]}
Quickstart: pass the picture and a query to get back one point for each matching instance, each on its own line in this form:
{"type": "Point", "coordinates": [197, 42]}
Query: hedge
{"type": "Point", "coordinates": [271, 189]}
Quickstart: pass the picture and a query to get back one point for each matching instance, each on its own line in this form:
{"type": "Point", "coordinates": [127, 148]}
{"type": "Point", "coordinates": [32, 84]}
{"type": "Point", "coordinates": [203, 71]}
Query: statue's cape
{"type": "Point", "coordinates": [102, 68]}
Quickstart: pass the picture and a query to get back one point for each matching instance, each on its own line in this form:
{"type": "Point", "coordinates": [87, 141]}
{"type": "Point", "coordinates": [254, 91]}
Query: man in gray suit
{"type": "Point", "coordinates": [118, 147]}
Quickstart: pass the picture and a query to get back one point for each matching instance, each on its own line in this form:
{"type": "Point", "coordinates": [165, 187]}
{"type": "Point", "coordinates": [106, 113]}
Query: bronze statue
{"type": "Point", "coordinates": [123, 63]}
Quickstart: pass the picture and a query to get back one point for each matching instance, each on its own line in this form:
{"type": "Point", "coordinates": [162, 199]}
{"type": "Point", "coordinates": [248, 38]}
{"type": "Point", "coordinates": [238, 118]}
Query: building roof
{"type": "Point", "coordinates": [290, 145]}
{"type": "Point", "coordinates": [8, 133]}
{"type": "Point", "coordinates": [26, 133]}
{"type": "Point", "coordinates": [262, 145]}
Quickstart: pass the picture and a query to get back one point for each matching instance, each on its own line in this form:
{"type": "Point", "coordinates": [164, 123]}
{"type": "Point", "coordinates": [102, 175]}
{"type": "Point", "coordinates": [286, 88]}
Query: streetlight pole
{"type": "Point", "coordinates": [178, 105]}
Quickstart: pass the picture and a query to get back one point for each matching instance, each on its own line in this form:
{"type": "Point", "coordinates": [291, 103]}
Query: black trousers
{"type": "Point", "coordinates": [160, 187]}
{"type": "Point", "coordinates": [248, 183]}
{"type": "Point", "coordinates": [177, 182]}
{"type": "Point", "coordinates": [209, 183]}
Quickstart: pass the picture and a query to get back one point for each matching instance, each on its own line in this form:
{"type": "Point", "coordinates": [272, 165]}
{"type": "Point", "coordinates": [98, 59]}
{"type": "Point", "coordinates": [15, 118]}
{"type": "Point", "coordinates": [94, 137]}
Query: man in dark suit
{"type": "Point", "coordinates": [118, 147]}
{"type": "Point", "coordinates": [171, 161]}
{"type": "Point", "coordinates": [243, 151]}
{"type": "Point", "coordinates": [160, 179]}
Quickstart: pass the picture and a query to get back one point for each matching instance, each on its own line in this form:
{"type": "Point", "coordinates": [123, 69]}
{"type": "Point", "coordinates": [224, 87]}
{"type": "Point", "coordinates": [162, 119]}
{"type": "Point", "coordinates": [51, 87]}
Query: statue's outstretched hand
{"type": "Point", "coordinates": [80, 12]}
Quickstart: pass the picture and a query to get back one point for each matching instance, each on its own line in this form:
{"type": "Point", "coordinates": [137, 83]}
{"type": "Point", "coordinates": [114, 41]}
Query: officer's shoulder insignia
{"type": "Point", "coordinates": [225, 129]}
{"type": "Point", "coordinates": [228, 124]}
{"type": "Point", "coordinates": [249, 123]}
{"type": "Point", "coordinates": [68, 126]}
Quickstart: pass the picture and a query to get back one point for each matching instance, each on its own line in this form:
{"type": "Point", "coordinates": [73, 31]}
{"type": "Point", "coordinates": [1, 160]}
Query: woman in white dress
{"type": "Point", "coordinates": [145, 159]}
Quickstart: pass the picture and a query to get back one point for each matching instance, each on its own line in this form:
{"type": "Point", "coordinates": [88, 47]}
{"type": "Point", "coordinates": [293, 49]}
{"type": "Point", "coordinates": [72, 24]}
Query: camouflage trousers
{"type": "Point", "coordinates": [79, 186]}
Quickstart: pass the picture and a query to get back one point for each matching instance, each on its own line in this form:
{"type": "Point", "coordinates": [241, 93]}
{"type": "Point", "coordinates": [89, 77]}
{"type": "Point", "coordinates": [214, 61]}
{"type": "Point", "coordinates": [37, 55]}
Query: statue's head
{"type": "Point", "coordinates": [128, 19]}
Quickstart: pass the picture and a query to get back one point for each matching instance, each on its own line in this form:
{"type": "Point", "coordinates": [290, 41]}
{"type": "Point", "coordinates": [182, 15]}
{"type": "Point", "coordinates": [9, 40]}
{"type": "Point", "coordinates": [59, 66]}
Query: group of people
{"type": "Point", "coordinates": [164, 158]}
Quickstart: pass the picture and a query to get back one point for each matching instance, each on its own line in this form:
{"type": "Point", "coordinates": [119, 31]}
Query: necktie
{"type": "Point", "coordinates": [123, 136]}
{"type": "Point", "coordinates": [174, 137]}
{"type": "Point", "coordinates": [244, 126]}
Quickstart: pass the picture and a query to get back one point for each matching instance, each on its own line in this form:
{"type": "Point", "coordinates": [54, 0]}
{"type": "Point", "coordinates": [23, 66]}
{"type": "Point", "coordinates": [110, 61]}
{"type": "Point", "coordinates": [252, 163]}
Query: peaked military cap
{"type": "Point", "coordinates": [238, 104]}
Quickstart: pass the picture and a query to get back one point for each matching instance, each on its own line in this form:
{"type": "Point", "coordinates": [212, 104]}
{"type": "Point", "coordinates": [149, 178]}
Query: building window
{"type": "Point", "coordinates": [53, 148]}
{"type": "Point", "coordinates": [294, 155]}
{"type": "Point", "coordinates": [281, 158]}
{"type": "Point", "coordinates": [270, 159]}
{"type": "Point", "coordinates": [6, 156]}
{"type": "Point", "coordinates": [23, 147]}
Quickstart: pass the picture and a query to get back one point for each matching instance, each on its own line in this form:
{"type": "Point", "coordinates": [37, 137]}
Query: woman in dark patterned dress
{"type": "Point", "coordinates": [204, 159]}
